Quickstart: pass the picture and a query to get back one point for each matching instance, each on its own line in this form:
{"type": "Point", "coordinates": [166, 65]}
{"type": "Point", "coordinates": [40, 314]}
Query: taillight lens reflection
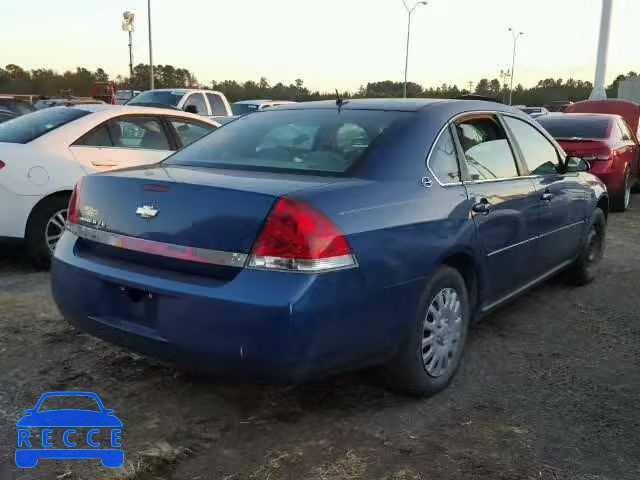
{"type": "Point", "coordinates": [73, 216]}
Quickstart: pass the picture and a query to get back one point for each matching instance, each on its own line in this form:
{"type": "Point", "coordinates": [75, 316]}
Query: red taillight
{"type": "Point", "coordinates": [2, 164]}
{"type": "Point", "coordinates": [73, 215]}
{"type": "Point", "coordinates": [297, 237]}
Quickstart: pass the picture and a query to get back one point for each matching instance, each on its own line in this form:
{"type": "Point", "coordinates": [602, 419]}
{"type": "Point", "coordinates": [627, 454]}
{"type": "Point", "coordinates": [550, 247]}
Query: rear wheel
{"type": "Point", "coordinates": [429, 356]}
{"type": "Point", "coordinates": [586, 265]}
{"type": "Point", "coordinates": [623, 199]}
{"type": "Point", "coordinates": [44, 229]}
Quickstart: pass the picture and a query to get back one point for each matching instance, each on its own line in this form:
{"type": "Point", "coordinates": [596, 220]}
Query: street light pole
{"type": "Point", "coordinates": [127, 26]}
{"type": "Point", "coordinates": [513, 61]}
{"type": "Point", "coordinates": [599, 92]}
{"type": "Point", "coordinates": [150, 45]}
{"type": "Point", "coordinates": [406, 61]}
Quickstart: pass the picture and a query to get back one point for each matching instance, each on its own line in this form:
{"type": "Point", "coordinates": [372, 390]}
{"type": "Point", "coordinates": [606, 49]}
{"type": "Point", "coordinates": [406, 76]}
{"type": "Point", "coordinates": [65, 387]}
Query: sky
{"type": "Point", "coordinates": [328, 43]}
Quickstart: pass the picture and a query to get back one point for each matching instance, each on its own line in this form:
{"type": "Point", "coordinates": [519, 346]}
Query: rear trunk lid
{"type": "Point", "coordinates": [186, 215]}
{"type": "Point", "coordinates": [588, 149]}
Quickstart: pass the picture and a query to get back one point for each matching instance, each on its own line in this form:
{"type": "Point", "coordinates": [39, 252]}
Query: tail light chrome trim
{"type": "Point", "coordinates": [169, 250]}
{"type": "Point", "coordinates": [302, 265]}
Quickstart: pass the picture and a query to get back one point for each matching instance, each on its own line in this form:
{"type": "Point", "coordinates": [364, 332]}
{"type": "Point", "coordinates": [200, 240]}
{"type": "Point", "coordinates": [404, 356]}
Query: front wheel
{"type": "Point", "coordinates": [586, 266]}
{"type": "Point", "coordinates": [429, 356]}
{"type": "Point", "coordinates": [44, 228]}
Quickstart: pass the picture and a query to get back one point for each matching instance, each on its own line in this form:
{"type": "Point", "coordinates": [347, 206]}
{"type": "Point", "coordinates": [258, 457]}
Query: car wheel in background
{"type": "Point", "coordinates": [44, 229]}
{"type": "Point", "coordinates": [586, 265]}
{"type": "Point", "coordinates": [429, 356]}
{"type": "Point", "coordinates": [621, 201]}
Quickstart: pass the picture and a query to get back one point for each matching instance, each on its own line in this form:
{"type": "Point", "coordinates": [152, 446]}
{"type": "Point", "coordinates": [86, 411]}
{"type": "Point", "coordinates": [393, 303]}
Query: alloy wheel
{"type": "Point", "coordinates": [441, 332]}
{"type": "Point", "coordinates": [55, 228]}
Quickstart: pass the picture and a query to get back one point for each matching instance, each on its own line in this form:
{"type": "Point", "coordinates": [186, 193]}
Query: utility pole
{"type": "Point", "coordinates": [504, 74]}
{"type": "Point", "coordinates": [150, 46]}
{"type": "Point", "coordinates": [599, 92]}
{"type": "Point", "coordinates": [470, 83]}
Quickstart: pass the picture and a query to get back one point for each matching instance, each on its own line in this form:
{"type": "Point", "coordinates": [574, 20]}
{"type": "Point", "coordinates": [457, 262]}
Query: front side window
{"type": "Point", "coordinates": [128, 132]}
{"type": "Point", "coordinates": [487, 153]}
{"type": "Point", "coordinates": [197, 104]}
{"type": "Point", "coordinates": [539, 154]}
{"type": "Point", "coordinates": [26, 128]}
{"type": "Point", "coordinates": [189, 132]}
{"type": "Point", "coordinates": [218, 108]}
{"type": "Point", "coordinates": [443, 161]}
{"type": "Point", "coordinates": [313, 140]}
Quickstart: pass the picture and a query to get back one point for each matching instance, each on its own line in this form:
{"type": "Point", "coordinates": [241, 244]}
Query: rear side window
{"type": "Point", "coordinates": [539, 154]}
{"type": "Point", "coordinates": [443, 161]}
{"type": "Point", "coordinates": [189, 132]}
{"type": "Point", "coordinates": [218, 107]}
{"type": "Point", "coordinates": [567, 127]}
{"type": "Point", "coordinates": [26, 128]}
{"type": "Point", "coordinates": [626, 131]}
{"type": "Point", "coordinates": [487, 153]}
{"type": "Point", "coordinates": [313, 140]}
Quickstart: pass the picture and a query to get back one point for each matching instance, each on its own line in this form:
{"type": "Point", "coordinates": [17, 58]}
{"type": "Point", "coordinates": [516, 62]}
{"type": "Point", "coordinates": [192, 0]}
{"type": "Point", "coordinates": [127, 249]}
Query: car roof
{"type": "Point", "coordinates": [401, 104]}
{"type": "Point", "coordinates": [594, 116]}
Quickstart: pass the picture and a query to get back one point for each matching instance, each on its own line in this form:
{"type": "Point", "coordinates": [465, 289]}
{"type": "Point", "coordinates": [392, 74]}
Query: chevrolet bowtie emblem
{"type": "Point", "coordinates": [147, 211]}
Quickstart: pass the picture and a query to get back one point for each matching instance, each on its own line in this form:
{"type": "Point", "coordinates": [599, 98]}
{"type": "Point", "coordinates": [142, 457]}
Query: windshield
{"type": "Point", "coordinates": [531, 110]}
{"type": "Point", "coordinates": [321, 141]}
{"type": "Point", "coordinates": [159, 97]}
{"type": "Point", "coordinates": [29, 127]}
{"type": "Point", "coordinates": [561, 126]}
{"type": "Point", "coordinates": [66, 402]}
{"type": "Point", "coordinates": [243, 108]}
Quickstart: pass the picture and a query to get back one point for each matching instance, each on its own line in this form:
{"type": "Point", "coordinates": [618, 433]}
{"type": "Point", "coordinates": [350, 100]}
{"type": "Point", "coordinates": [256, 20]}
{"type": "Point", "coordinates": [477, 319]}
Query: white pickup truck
{"type": "Point", "coordinates": [208, 103]}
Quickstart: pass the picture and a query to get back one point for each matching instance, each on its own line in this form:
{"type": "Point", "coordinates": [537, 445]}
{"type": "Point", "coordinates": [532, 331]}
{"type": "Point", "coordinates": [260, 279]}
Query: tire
{"type": "Point", "coordinates": [586, 266]}
{"type": "Point", "coordinates": [620, 202]}
{"type": "Point", "coordinates": [46, 217]}
{"type": "Point", "coordinates": [409, 372]}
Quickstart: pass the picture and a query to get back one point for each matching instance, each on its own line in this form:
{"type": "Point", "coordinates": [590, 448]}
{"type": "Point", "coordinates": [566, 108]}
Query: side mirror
{"type": "Point", "coordinates": [109, 411]}
{"type": "Point", "coordinates": [191, 109]}
{"type": "Point", "coordinates": [29, 410]}
{"type": "Point", "coordinates": [576, 164]}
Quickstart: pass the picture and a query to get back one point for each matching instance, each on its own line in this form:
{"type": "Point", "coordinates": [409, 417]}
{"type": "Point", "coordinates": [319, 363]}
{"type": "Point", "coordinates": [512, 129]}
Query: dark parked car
{"type": "Point", "coordinates": [19, 107]}
{"type": "Point", "coordinates": [320, 237]}
{"type": "Point", "coordinates": [607, 143]}
{"type": "Point", "coordinates": [6, 115]}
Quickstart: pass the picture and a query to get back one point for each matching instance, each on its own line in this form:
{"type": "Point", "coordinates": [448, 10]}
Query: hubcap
{"type": "Point", "coordinates": [441, 332]}
{"type": "Point", "coordinates": [627, 191]}
{"type": "Point", "coordinates": [55, 228]}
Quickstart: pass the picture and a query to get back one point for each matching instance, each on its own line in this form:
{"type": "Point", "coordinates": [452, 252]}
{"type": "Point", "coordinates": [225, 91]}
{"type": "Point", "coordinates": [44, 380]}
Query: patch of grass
{"type": "Point", "coordinates": [274, 465]}
{"type": "Point", "coordinates": [348, 467]}
{"type": "Point", "coordinates": [406, 474]}
{"type": "Point", "coordinates": [159, 455]}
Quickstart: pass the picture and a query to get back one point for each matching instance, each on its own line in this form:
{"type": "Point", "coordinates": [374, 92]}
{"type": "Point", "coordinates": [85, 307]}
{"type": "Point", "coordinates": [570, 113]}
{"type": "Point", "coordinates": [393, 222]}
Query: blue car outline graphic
{"type": "Point", "coordinates": [80, 418]}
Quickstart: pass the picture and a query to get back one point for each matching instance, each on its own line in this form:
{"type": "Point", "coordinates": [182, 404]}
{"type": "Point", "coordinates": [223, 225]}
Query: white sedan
{"type": "Point", "coordinates": [43, 154]}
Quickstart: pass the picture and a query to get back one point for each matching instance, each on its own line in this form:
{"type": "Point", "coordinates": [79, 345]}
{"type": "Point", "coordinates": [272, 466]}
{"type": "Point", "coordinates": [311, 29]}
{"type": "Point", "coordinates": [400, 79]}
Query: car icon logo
{"type": "Point", "coordinates": [147, 211]}
{"type": "Point", "coordinates": [85, 433]}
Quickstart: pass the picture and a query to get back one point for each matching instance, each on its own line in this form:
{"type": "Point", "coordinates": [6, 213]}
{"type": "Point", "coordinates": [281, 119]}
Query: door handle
{"type": "Point", "coordinates": [483, 207]}
{"type": "Point", "coordinates": [546, 196]}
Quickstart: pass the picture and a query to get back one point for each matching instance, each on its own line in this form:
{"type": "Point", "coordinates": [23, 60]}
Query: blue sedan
{"type": "Point", "coordinates": [329, 236]}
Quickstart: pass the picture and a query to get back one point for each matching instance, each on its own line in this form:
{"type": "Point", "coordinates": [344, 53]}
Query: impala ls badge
{"type": "Point", "coordinates": [147, 211]}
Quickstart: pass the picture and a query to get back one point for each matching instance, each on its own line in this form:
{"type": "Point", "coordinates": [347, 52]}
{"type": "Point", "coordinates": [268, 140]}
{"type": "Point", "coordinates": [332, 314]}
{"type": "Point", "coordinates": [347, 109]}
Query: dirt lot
{"type": "Point", "coordinates": [549, 389]}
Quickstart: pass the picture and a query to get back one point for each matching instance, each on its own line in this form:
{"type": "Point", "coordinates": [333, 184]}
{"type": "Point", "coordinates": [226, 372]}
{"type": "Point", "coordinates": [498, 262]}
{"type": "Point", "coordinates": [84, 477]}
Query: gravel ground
{"type": "Point", "coordinates": [549, 389]}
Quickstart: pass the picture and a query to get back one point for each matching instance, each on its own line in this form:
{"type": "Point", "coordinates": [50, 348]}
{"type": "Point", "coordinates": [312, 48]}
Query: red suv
{"type": "Point", "coordinates": [606, 142]}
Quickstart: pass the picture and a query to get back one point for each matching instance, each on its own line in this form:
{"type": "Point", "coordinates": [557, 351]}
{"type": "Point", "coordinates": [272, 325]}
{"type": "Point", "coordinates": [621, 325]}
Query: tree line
{"type": "Point", "coordinates": [47, 82]}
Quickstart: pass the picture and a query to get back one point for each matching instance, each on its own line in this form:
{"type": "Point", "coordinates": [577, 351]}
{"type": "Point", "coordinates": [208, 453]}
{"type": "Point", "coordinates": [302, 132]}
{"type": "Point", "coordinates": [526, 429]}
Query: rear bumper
{"type": "Point", "coordinates": [265, 326]}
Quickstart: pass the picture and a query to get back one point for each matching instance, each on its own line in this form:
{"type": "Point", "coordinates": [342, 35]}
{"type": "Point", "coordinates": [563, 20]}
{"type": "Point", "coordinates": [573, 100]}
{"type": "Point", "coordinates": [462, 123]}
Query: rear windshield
{"type": "Point", "coordinates": [33, 125]}
{"type": "Point", "coordinates": [158, 97]}
{"type": "Point", "coordinates": [531, 110]}
{"type": "Point", "coordinates": [575, 127]}
{"type": "Point", "coordinates": [16, 106]}
{"type": "Point", "coordinates": [319, 141]}
{"type": "Point", "coordinates": [243, 108]}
